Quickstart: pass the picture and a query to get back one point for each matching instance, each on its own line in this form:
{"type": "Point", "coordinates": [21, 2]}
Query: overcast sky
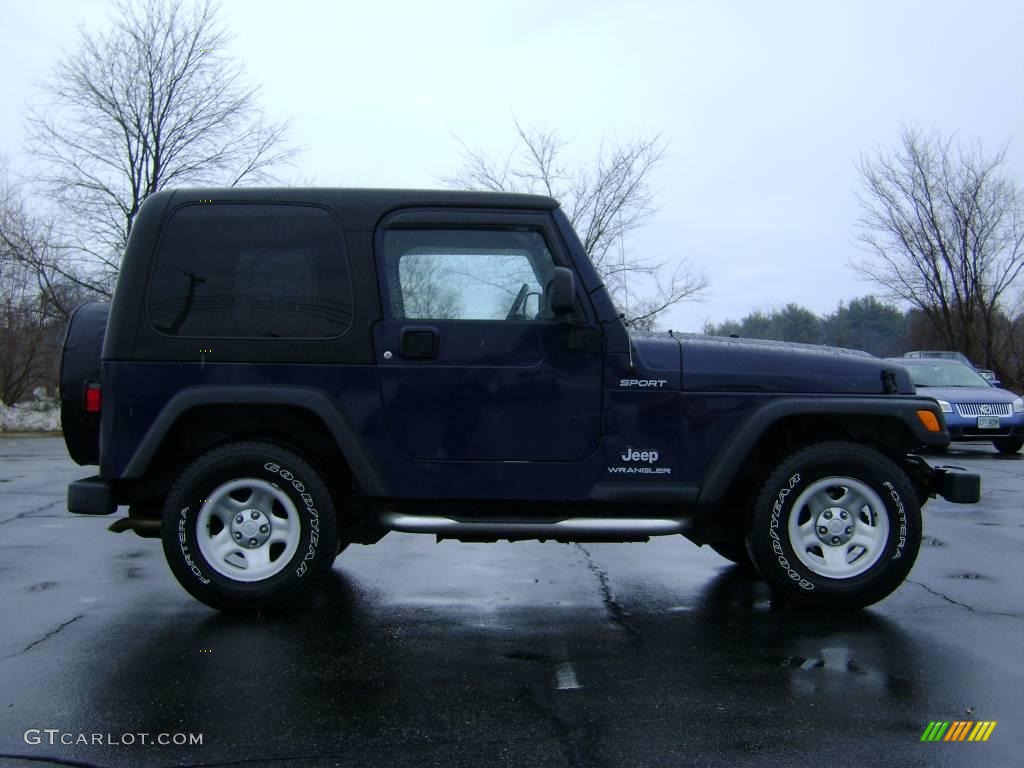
{"type": "Point", "coordinates": [766, 105]}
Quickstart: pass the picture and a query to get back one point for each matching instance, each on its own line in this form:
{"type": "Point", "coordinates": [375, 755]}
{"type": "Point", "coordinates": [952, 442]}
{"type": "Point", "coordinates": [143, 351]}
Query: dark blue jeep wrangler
{"type": "Point", "coordinates": [286, 372]}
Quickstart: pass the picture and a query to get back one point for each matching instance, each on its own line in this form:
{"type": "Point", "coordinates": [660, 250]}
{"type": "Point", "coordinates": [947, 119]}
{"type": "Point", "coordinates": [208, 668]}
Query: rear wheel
{"type": "Point", "coordinates": [1008, 444]}
{"type": "Point", "coordinates": [835, 525]}
{"type": "Point", "coordinates": [249, 525]}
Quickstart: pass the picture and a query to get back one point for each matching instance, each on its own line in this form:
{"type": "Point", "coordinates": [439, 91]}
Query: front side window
{"type": "Point", "coordinates": [463, 274]}
{"type": "Point", "coordinates": [251, 271]}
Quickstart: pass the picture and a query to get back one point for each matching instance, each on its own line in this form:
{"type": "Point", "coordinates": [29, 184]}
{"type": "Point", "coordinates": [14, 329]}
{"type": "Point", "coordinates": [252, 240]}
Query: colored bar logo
{"type": "Point", "coordinates": [959, 730]}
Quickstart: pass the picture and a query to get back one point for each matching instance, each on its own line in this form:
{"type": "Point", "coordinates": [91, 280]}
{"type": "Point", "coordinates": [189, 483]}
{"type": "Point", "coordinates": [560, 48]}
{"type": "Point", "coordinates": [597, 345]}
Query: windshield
{"type": "Point", "coordinates": [927, 374]}
{"type": "Point", "coordinates": [942, 354]}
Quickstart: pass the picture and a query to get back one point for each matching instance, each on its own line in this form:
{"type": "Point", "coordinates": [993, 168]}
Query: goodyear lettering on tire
{"type": "Point", "coordinates": [773, 532]}
{"type": "Point", "coordinates": [314, 514]}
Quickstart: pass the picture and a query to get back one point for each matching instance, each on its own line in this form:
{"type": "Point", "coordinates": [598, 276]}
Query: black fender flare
{"type": "Point", "coordinates": [730, 457]}
{"type": "Point", "coordinates": [360, 461]}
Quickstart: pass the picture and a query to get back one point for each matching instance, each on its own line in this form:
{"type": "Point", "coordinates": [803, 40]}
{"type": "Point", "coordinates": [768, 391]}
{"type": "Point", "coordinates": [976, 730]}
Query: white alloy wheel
{"type": "Point", "coordinates": [248, 529]}
{"type": "Point", "coordinates": [839, 527]}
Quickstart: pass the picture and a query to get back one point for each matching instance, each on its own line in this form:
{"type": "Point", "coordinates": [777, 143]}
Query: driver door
{"type": "Point", "coordinates": [472, 364]}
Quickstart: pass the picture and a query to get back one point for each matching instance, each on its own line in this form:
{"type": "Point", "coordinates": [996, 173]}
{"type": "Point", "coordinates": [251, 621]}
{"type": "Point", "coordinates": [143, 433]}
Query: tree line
{"type": "Point", "coordinates": [864, 323]}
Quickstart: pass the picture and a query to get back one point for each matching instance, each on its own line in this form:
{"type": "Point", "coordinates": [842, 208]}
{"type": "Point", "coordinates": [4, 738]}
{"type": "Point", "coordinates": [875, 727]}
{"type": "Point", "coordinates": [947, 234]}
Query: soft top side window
{"type": "Point", "coordinates": [467, 274]}
{"type": "Point", "coordinates": [251, 271]}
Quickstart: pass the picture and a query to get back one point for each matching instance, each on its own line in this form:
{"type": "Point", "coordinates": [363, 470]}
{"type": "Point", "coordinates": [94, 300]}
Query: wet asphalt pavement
{"type": "Point", "coordinates": [417, 654]}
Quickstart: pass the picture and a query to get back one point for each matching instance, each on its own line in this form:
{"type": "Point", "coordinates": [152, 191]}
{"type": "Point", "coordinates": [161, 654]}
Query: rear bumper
{"type": "Point", "coordinates": [91, 496]}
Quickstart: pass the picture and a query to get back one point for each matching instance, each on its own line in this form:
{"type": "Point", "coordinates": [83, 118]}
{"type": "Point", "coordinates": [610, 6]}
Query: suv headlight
{"type": "Point", "coordinates": [1018, 405]}
{"type": "Point", "coordinates": [946, 407]}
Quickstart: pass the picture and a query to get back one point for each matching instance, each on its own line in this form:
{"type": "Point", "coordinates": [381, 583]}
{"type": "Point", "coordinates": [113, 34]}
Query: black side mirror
{"type": "Point", "coordinates": [561, 291]}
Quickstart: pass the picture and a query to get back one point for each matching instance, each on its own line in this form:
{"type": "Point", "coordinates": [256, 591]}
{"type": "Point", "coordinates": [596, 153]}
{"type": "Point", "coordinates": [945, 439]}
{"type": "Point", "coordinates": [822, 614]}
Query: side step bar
{"type": "Point", "coordinates": [569, 529]}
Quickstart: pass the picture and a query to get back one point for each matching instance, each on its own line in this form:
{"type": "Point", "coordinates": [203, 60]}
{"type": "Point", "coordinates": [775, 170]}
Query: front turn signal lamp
{"type": "Point", "coordinates": [930, 421]}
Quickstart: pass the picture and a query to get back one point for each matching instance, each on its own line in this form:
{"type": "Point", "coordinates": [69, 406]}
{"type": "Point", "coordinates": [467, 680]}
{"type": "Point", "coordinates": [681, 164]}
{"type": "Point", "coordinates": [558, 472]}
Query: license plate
{"type": "Point", "coordinates": [988, 422]}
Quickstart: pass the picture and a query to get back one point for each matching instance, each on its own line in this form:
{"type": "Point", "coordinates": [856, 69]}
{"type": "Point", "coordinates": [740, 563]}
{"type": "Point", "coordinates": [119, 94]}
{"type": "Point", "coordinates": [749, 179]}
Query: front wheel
{"type": "Point", "coordinates": [835, 525]}
{"type": "Point", "coordinates": [1008, 445]}
{"type": "Point", "coordinates": [249, 525]}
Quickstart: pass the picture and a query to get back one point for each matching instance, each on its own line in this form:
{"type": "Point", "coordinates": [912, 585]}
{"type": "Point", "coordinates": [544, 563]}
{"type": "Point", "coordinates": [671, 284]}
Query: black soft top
{"type": "Point", "coordinates": [362, 209]}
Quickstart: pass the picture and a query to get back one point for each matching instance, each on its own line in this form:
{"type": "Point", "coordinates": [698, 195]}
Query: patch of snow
{"type": "Point", "coordinates": [41, 414]}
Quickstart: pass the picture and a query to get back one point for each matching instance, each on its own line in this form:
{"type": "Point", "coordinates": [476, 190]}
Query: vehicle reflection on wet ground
{"type": "Point", "coordinates": [416, 653]}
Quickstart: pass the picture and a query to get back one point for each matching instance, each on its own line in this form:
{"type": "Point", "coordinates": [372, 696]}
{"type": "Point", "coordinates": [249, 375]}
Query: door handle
{"type": "Point", "coordinates": [421, 343]}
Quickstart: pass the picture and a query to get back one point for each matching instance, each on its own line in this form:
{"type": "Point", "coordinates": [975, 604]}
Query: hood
{"type": "Point", "coordinates": [968, 394]}
{"type": "Point", "coordinates": [752, 365]}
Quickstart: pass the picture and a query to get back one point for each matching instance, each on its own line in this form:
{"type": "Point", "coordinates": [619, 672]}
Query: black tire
{"type": "Point", "coordinates": [1008, 445]}
{"type": "Point", "coordinates": [810, 468]}
{"type": "Point", "coordinates": [315, 543]}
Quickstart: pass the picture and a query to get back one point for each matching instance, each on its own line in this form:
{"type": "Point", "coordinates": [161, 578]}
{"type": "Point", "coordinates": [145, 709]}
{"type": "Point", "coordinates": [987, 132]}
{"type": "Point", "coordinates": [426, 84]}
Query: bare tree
{"type": "Point", "coordinates": [23, 332]}
{"type": "Point", "coordinates": [30, 323]}
{"type": "Point", "coordinates": [426, 292]}
{"type": "Point", "coordinates": [152, 101]}
{"type": "Point", "coordinates": [605, 200]}
{"type": "Point", "coordinates": [944, 230]}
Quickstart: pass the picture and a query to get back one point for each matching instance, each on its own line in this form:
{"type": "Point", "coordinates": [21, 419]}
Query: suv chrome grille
{"type": "Point", "coordinates": [984, 409]}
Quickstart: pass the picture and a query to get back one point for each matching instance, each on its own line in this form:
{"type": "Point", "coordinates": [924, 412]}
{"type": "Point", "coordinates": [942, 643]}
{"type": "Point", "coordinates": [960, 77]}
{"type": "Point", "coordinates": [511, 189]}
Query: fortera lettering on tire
{"type": "Point", "coordinates": [284, 428]}
{"type": "Point", "coordinates": [183, 543]}
{"type": "Point", "coordinates": [902, 515]}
